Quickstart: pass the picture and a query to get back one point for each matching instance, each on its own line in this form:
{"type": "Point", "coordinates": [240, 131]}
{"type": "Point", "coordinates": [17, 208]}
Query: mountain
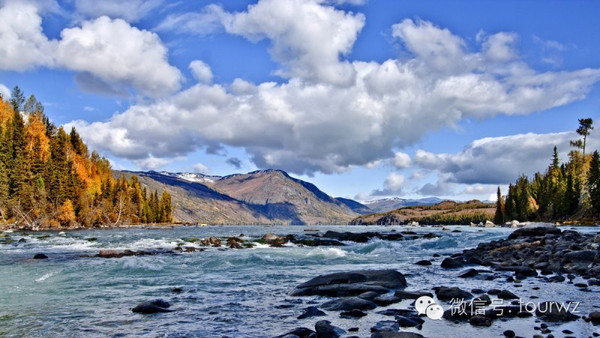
{"type": "Point", "coordinates": [259, 197]}
{"type": "Point", "coordinates": [445, 212]}
{"type": "Point", "coordinates": [388, 204]}
{"type": "Point", "coordinates": [355, 206]}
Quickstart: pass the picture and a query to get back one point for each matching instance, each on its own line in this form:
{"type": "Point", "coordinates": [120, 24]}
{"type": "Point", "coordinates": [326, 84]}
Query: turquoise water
{"type": "Point", "coordinates": [226, 292]}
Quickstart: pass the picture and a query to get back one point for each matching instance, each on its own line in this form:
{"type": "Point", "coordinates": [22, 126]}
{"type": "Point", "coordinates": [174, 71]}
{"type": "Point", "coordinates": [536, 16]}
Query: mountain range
{"type": "Point", "coordinates": [259, 197]}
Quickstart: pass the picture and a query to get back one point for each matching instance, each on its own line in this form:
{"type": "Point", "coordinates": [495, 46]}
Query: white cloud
{"type": "Point", "coordinates": [116, 52]}
{"type": "Point", "coordinates": [4, 91]}
{"type": "Point", "coordinates": [393, 185]}
{"type": "Point", "coordinates": [200, 168]}
{"type": "Point", "coordinates": [110, 55]}
{"type": "Point", "coordinates": [499, 47]}
{"type": "Point", "coordinates": [441, 188]}
{"type": "Point", "coordinates": [207, 21]}
{"type": "Point", "coordinates": [308, 37]}
{"type": "Point", "coordinates": [151, 162]}
{"type": "Point", "coordinates": [401, 160]}
{"type": "Point", "coordinates": [499, 160]}
{"type": "Point", "coordinates": [130, 10]}
{"type": "Point", "coordinates": [313, 122]}
{"type": "Point", "coordinates": [23, 45]}
{"type": "Point", "coordinates": [201, 71]}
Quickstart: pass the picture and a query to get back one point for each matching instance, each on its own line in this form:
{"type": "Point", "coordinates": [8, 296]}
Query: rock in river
{"type": "Point", "coordinates": [324, 329]}
{"type": "Point", "coordinates": [312, 311]}
{"type": "Point", "coordinates": [349, 303]}
{"type": "Point", "coordinates": [351, 283]}
{"type": "Point", "coordinates": [40, 256]}
{"type": "Point", "coordinates": [555, 312]}
{"type": "Point", "coordinates": [154, 306]}
{"type": "Point", "coordinates": [450, 293]}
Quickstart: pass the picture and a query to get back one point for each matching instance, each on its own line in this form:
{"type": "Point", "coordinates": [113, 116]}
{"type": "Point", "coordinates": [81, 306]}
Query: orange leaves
{"type": "Point", "coordinates": [38, 144]}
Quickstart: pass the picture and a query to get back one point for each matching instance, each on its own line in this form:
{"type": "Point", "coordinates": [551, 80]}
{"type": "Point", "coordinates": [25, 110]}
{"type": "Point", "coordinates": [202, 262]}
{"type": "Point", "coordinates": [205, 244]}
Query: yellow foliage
{"type": "Point", "coordinates": [66, 214]}
{"type": "Point", "coordinates": [36, 136]}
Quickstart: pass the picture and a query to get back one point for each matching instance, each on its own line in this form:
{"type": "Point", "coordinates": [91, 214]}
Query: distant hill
{"type": "Point", "coordinates": [445, 212]}
{"type": "Point", "coordinates": [355, 206]}
{"type": "Point", "coordinates": [393, 203]}
{"type": "Point", "coordinates": [259, 197]}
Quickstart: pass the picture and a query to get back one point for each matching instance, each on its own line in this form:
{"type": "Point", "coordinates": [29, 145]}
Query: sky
{"type": "Point", "coordinates": [364, 98]}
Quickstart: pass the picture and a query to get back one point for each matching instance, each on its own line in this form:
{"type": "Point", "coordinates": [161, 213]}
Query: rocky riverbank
{"type": "Point", "coordinates": [546, 253]}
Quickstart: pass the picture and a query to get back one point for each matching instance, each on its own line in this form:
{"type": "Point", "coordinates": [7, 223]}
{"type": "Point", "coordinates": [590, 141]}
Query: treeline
{"type": "Point", "coordinates": [565, 191]}
{"type": "Point", "coordinates": [49, 179]}
{"type": "Point", "coordinates": [465, 218]}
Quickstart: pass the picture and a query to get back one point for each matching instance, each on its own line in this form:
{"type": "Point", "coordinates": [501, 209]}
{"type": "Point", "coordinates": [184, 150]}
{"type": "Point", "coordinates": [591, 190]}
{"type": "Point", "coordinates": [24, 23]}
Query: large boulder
{"type": "Point", "coordinates": [451, 263]}
{"type": "Point", "coordinates": [451, 293]}
{"type": "Point", "coordinates": [324, 329]}
{"type": "Point", "coordinates": [534, 232]}
{"type": "Point", "coordinates": [555, 312]}
{"type": "Point", "coordinates": [274, 240]}
{"type": "Point", "coordinates": [154, 306]}
{"type": "Point", "coordinates": [351, 283]}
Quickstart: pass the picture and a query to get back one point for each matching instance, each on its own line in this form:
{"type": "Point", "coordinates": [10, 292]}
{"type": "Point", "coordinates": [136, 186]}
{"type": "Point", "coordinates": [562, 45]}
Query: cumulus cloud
{"type": "Point", "coordinates": [393, 185]}
{"type": "Point", "coordinates": [110, 56]}
{"type": "Point", "coordinates": [201, 168]}
{"type": "Point", "coordinates": [23, 45]}
{"type": "Point", "coordinates": [130, 10]}
{"type": "Point", "coordinates": [499, 160]}
{"type": "Point", "coordinates": [401, 160]}
{"type": "Point", "coordinates": [116, 52]}
{"type": "Point", "coordinates": [234, 162]}
{"type": "Point", "coordinates": [333, 114]}
{"type": "Point", "coordinates": [201, 71]}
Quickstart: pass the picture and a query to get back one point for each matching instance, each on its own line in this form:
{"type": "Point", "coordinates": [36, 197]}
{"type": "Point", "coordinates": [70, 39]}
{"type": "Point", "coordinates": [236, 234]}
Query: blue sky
{"type": "Point", "coordinates": [363, 98]}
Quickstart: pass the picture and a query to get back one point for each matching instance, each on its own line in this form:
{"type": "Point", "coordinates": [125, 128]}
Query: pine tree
{"type": "Point", "coordinates": [499, 216]}
{"type": "Point", "coordinates": [165, 207]}
{"type": "Point", "coordinates": [594, 184]}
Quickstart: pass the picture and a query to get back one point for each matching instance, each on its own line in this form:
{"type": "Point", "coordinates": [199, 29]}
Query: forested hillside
{"type": "Point", "coordinates": [49, 179]}
{"type": "Point", "coordinates": [567, 191]}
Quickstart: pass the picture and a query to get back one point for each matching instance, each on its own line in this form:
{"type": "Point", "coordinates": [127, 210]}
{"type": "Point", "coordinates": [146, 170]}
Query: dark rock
{"type": "Point", "coordinates": [154, 306]}
{"type": "Point", "coordinates": [177, 290]}
{"type": "Point", "coordinates": [468, 273]}
{"type": "Point", "coordinates": [450, 293]}
{"type": "Point", "coordinates": [494, 291]}
{"type": "Point", "coordinates": [523, 270]}
{"type": "Point", "coordinates": [505, 294]}
{"type": "Point", "coordinates": [480, 321]}
{"type": "Point", "coordinates": [450, 263]}
{"type": "Point", "coordinates": [396, 335]}
{"type": "Point", "coordinates": [423, 262]}
{"type": "Point", "coordinates": [352, 314]}
{"type": "Point", "coordinates": [316, 241]}
{"type": "Point", "coordinates": [399, 312]}
{"type": "Point", "coordinates": [477, 291]}
{"type": "Point", "coordinates": [595, 317]}
{"type": "Point", "coordinates": [324, 329]}
{"type": "Point", "coordinates": [509, 333]}
{"type": "Point", "coordinates": [534, 232]}
{"type": "Point", "coordinates": [384, 300]}
{"type": "Point", "coordinates": [311, 311]}
{"type": "Point", "coordinates": [554, 312]}
{"type": "Point", "coordinates": [386, 326]}
{"type": "Point", "coordinates": [369, 295]}
{"type": "Point", "coordinates": [353, 329]}
{"type": "Point", "coordinates": [404, 321]}
{"type": "Point", "coordinates": [351, 283]}
{"type": "Point", "coordinates": [411, 294]}
{"type": "Point", "coordinates": [348, 303]}
{"type": "Point", "coordinates": [300, 332]}
{"type": "Point", "coordinates": [40, 256]}
{"type": "Point", "coordinates": [580, 256]}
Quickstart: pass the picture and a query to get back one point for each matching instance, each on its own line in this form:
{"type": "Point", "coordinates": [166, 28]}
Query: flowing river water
{"type": "Point", "coordinates": [232, 292]}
